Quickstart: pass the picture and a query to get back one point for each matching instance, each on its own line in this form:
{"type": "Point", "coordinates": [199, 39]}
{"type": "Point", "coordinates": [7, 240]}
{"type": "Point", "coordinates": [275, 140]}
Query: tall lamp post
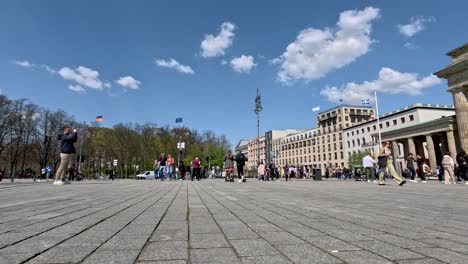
{"type": "Point", "coordinates": [257, 110]}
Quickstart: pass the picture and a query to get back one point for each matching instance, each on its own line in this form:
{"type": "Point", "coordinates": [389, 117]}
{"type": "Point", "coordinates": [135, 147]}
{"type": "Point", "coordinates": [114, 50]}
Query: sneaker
{"type": "Point", "coordinates": [375, 181]}
{"type": "Point", "coordinates": [466, 183]}
{"type": "Point", "coordinates": [424, 181]}
{"type": "Point", "coordinates": [413, 181]}
{"type": "Point", "coordinates": [59, 183]}
{"type": "Point", "coordinates": [402, 183]}
{"type": "Point", "coordinates": [368, 180]}
{"type": "Point", "coordinates": [239, 180]}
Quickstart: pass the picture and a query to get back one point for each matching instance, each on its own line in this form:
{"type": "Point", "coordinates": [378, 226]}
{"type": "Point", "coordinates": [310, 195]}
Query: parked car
{"type": "Point", "coordinates": [146, 175]}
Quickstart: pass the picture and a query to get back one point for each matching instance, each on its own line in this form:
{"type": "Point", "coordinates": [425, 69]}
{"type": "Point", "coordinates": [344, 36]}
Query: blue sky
{"type": "Point", "coordinates": [139, 61]}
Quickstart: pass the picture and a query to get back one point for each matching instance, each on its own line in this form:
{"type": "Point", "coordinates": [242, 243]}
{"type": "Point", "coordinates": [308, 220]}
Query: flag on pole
{"type": "Point", "coordinates": [365, 102]}
{"type": "Point", "coordinates": [99, 118]}
{"type": "Point", "coordinates": [315, 109]}
{"type": "Point", "coordinates": [178, 120]}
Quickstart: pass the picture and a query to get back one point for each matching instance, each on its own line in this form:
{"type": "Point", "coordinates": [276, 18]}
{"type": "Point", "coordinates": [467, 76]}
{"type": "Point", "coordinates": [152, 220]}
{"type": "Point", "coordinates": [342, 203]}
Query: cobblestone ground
{"type": "Point", "coordinates": [216, 222]}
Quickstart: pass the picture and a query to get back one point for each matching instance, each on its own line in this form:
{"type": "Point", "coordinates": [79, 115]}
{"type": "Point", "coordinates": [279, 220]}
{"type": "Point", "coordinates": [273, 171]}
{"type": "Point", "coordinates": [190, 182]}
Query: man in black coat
{"type": "Point", "coordinates": [67, 150]}
{"type": "Point", "coordinates": [240, 163]}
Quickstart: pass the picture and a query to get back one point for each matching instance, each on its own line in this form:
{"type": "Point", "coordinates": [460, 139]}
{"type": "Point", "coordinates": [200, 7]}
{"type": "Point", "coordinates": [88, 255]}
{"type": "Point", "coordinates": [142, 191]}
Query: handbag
{"type": "Point", "coordinates": [382, 161]}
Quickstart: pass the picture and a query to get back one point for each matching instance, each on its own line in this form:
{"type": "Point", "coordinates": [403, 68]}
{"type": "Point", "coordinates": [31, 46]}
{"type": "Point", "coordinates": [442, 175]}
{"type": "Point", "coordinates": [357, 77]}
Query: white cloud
{"type": "Point", "coordinates": [129, 82]}
{"type": "Point", "coordinates": [77, 88]}
{"type": "Point", "coordinates": [315, 52]}
{"type": "Point", "coordinates": [173, 64]}
{"type": "Point", "coordinates": [82, 75]}
{"type": "Point", "coordinates": [416, 25]}
{"type": "Point", "coordinates": [213, 46]}
{"type": "Point", "coordinates": [410, 46]}
{"type": "Point", "coordinates": [48, 69]}
{"type": "Point", "coordinates": [243, 64]}
{"type": "Point", "coordinates": [390, 81]}
{"type": "Point", "coordinates": [24, 63]}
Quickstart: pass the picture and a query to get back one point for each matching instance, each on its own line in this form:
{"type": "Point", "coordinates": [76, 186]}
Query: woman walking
{"type": "Point", "coordinates": [261, 171]}
{"type": "Point", "coordinates": [449, 166]}
{"type": "Point", "coordinates": [386, 161]}
{"type": "Point", "coordinates": [228, 165]}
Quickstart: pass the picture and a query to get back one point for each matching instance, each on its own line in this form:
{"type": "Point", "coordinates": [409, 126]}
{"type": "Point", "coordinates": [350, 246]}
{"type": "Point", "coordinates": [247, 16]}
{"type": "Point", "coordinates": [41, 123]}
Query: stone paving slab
{"type": "Point", "coordinates": [212, 221]}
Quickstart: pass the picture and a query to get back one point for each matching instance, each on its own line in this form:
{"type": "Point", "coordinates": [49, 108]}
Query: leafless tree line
{"type": "Point", "coordinates": [28, 142]}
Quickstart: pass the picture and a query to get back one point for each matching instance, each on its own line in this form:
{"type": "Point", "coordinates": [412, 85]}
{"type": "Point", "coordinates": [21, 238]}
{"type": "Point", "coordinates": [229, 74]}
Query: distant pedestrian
{"type": "Point", "coordinates": [386, 161]}
{"type": "Point", "coordinates": [286, 172]}
{"type": "Point", "coordinates": [462, 166]}
{"type": "Point", "coordinates": [67, 150]}
{"type": "Point", "coordinates": [228, 162]}
{"type": "Point", "coordinates": [368, 165]}
{"type": "Point", "coordinates": [196, 168]}
{"type": "Point", "coordinates": [449, 167]}
{"type": "Point", "coordinates": [161, 164]}
{"type": "Point", "coordinates": [2, 174]}
{"type": "Point", "coordinates": [272, 170]}
{"type": "Point", "coordinates": [240, 163]}
{"type": "Point", "coordinates": [327, 173]}
{"type": "Point", "coordinates": [292, 172]}
{"type": "Point", "coordinates": [421, 173]}
{"type": "Point", "coordinates": [261, 171]}
{"type": "Point", "coordinates": [169, 164]}
{"type": "Point", "coordinates": [410, 166]}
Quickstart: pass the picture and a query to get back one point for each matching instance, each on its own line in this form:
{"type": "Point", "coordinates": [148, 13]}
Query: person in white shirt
{"type": "Point", "coordinates": [368, 164]}
{"type": "Point", "coordinates": [449, 166]}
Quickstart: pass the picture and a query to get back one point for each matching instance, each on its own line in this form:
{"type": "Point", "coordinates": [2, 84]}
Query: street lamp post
{"type": "Point", "coordinates": [257, 110]}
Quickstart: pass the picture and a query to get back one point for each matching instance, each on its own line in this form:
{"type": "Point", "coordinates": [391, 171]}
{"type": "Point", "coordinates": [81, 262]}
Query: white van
{"type": "Point", "coordinates": [146, 175]}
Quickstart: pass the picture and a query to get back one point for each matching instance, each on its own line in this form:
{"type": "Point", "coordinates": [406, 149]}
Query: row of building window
{"type": "Point", "coordinates": [314, 158]}
{"type": "Point", "coordinates": [387, 124]}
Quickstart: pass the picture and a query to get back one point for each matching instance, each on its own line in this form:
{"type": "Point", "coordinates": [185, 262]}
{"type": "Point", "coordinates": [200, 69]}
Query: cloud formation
{"type": "Point", "coordinates": [129, 82]}
{"type": "Point", "coordinates": [214, 46]}
{"type": "Point", "coordinates": [28, 64]}
{"type": "Point", "coordinates": [173, 64]}
{"type": "Point", "coordinates": [390, 81]}
{"type": "Point", "coordinates": [77, 88]}
{"type": "Point", "coordinates": [315, 52]}
{"type": "Point", "coordinates": [243, 64]}
{"type": "Point", "coordinates": [417, 24]}
{"type": "Point", "coordinates": [24, 63]}
{"type": "Point", "coordinates": [82, 75]}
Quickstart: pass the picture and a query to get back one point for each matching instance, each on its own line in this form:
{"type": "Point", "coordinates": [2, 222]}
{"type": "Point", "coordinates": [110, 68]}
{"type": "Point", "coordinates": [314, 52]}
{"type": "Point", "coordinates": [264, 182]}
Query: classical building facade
{"type": "Point", "coordinates": [295, 148]}
{"type": "Point", "coordinates": [457, 75]}
{"type": "Point", "coordinates": [364, 137]}
{"type": "Point", "coordinates": [272, 135]}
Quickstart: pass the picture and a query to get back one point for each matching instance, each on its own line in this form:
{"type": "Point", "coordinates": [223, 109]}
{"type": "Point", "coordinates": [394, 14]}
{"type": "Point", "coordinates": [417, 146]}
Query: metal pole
{"type": "Point", "coordinates": [258, 138]}
{"type": "Point", "coordinates": [81, 146]}
{"type": "Point", "coordinates": [378, 118]}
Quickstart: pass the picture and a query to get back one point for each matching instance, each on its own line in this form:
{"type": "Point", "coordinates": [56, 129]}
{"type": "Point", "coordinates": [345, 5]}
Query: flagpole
{"type": "Point", "coordinates": [378, 119]}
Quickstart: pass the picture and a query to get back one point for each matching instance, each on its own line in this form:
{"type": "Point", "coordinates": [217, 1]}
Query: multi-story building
{"type": "Point", "coordinates": [271, 136]}
{"type": "Point", "coordinates": [256, 152]}
{"type": "Point", "coordinates": [295, 148]}
{"type": "Point", "coordinates": [329, 139]}
{"type": "Point", "coordinates": [364, 137]}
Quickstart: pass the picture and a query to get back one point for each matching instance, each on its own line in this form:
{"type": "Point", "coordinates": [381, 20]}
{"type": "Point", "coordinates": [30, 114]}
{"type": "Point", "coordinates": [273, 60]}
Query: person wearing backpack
{"type": "Point", "coordinates": [240, 163]}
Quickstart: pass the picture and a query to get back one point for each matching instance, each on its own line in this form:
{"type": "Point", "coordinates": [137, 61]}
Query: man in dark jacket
{"type": "Point", "coordinates": [462, 160]}
{"type": "Point", "coordinates": [67, 149]}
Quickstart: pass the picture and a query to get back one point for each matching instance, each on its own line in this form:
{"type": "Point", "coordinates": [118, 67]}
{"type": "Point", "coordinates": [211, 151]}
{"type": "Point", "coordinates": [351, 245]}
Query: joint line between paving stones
{"type": "Point", "coordinates": [89, 227]}
{"type": "Point", "coordinates": [157, 225]}
{"type": "Point", "coordinates": [281, 253]}
{"type": "Point", "coordinates": [189, 253]}
{"type": "Point", "coordinates": [58, 216]}
{"type": "Point", "coordinates": [322, 232]}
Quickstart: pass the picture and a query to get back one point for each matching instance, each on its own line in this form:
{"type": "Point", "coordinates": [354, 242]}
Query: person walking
{"type": "Point", "coordinates": [169, 164]}
{"type": "Point", "coordinates": [228, 162]}
{"type": "Point", "coordinates": [386, 161]}
{"type": "Point", "coordinates": [409, 164]}
{"type": "Point", "coordinates": [449, 167]}
{"type": "Point", "coordinates": [286, 172]}
{"type": "Point", "coordinates": [368, 165]}
{"type": "Point", "coordinates": [421, 173]}
{"type": "Point", "coordinates": [161, 164]}
{"type": "Point", "coordinates": [462, 166]}
{"type": "Point", "coordinates": [240, 163]}
{"type": "Point", "coordinates": [2, 174]}
{"type": "Point", "coordinates": [196, 167]}
{"type": "Point", "coordinates": [261, 171]}
{"type": "Point", "coordinates": [67, 150]}
{"type": "Point", "coordinates": [272, 170]}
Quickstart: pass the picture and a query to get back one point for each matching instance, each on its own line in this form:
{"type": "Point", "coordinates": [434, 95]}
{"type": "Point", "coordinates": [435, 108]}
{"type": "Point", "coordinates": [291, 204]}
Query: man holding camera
{"type": "Point", "coordinates": [67, 150]}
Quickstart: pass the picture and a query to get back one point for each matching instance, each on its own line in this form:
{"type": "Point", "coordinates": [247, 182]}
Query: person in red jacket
{"type": "Point", "coordinates": [196, 168]}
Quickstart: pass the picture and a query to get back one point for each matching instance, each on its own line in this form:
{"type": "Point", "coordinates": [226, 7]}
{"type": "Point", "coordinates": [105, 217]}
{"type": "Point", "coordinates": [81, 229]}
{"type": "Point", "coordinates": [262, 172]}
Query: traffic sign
{"type": "Point", "coordinates": [115, 162]}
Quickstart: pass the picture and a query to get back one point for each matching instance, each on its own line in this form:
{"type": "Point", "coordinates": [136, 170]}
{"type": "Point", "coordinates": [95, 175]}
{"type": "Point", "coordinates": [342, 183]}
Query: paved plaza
{"type": "Point", "coordinates": [216, 222]}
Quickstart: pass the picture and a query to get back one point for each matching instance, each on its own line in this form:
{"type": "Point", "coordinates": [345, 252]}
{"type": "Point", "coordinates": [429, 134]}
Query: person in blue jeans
{"type": "Point", "coordinates": [161, 162]}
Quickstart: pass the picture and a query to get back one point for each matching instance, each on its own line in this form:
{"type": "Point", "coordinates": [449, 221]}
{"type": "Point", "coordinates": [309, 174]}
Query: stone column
{"type": "Point", "coordinates": [396, 156]}
{"type": "Point", "coordinates": [460, 99]}
{"type": "Point", "coordinates": [451, 144]}
{"type": "Point", "coordinates": [431, 153]}
{"type": "Point", "coordinates": [412, 149]}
